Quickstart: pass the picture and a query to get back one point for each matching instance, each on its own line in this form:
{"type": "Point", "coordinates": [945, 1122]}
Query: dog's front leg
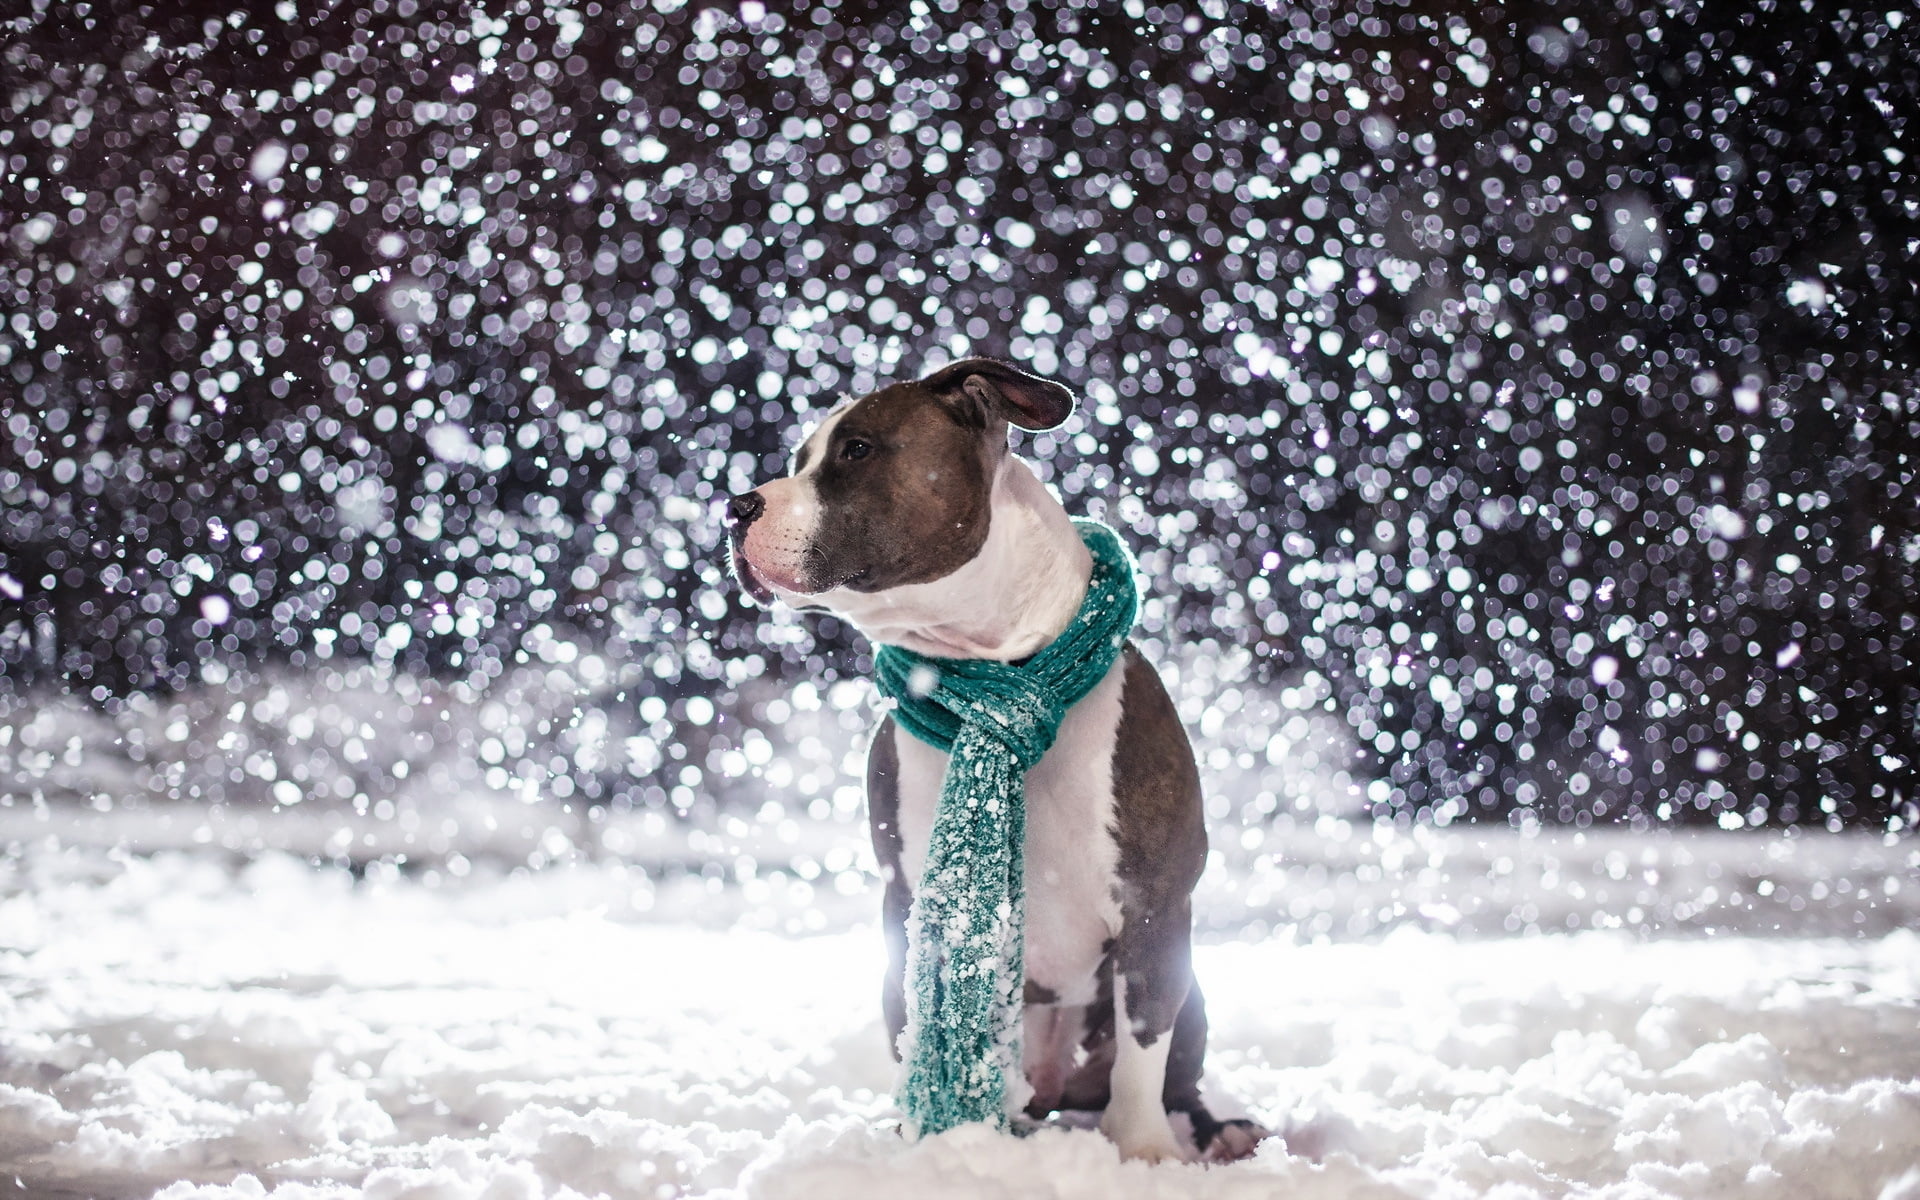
{"type": "Point", "coordinates": [1152, 972]}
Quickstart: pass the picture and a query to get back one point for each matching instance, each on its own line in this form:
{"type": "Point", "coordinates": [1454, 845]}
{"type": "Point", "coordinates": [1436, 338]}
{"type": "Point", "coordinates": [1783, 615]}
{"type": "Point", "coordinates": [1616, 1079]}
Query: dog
{"type": "Point", "coordinates": [906, 513]}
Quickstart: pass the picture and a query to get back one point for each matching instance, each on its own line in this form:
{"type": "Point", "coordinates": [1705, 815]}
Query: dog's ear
{"type": "Point", "coordinates": [1003, 391]}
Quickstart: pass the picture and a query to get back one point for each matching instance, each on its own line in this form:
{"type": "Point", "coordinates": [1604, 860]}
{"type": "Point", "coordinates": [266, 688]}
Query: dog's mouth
{"type": "Point", "coordinates": [759, 589]}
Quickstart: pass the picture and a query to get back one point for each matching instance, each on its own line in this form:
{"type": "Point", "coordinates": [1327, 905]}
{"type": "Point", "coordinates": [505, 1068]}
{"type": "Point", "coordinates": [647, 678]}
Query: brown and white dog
{"type": "Point", "coordinates": [907, 514]}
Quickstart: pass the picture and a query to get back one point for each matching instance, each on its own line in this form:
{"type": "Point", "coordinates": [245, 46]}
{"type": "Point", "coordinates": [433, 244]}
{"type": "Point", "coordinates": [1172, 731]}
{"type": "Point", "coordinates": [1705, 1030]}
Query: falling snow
{"type": "Point", "coordinates": [1433, 361]}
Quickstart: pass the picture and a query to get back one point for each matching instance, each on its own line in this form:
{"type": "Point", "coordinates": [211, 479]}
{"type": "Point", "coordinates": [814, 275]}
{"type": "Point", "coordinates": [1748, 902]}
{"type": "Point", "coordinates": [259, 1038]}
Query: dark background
{"type": "Point", "coordinates": [1531, 388]}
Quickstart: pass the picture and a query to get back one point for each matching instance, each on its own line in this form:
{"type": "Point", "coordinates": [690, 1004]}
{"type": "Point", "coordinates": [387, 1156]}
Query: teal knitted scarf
{"type": "Point", "coordinates": [965, 933]}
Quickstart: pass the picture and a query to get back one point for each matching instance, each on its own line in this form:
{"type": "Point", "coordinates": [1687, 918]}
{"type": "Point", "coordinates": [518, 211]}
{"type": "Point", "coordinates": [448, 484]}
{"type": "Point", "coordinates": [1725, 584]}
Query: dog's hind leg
{"type": "Point", "coordinates": [1162, 845]}
{"type": "Point", "coordinates": [1215, 1140]}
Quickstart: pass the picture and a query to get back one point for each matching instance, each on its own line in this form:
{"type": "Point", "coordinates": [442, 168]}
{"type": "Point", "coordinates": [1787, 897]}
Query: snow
{"type": "Point", "coordinates": [194, 1024]}
{"type": "Point", "coordinates": [1443, 360]}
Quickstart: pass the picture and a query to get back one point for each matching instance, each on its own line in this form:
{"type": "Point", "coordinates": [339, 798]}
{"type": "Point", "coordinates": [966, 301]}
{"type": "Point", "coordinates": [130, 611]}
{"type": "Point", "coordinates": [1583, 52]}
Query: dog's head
{"type": "Point", "coordinates": [890, 489]}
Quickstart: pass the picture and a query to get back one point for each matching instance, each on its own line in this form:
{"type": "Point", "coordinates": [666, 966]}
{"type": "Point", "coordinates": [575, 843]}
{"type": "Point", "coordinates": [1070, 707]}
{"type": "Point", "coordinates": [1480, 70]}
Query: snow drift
{"type": "Point", "coordinates": [186, 1026]}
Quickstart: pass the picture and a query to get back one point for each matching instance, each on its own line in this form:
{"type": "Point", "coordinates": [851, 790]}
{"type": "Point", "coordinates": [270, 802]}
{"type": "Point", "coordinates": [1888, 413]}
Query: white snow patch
{"type": "Point", "coordinates": [219, 1032]}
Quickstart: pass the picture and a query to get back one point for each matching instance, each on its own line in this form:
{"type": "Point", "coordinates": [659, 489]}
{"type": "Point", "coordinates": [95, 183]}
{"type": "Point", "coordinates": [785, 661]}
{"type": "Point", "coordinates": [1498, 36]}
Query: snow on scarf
{"type": "Point", "coordinates": [966, 931]}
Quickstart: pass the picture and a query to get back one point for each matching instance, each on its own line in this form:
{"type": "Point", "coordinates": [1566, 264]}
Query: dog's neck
{"type": "Point", "coordinates": [1007, 602]}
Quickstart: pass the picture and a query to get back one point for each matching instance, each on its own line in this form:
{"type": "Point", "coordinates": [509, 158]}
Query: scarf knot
{"type": "Point", "coordinates": [965, 975]}
{"type": "Point", "coordinates": [1011, 706]}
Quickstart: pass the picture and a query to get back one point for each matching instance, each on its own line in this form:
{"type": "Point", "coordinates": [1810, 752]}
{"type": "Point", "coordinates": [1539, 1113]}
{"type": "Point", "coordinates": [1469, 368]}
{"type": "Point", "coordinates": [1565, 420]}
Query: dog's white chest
{"type": "Point", "coordinates": [1072, 907]}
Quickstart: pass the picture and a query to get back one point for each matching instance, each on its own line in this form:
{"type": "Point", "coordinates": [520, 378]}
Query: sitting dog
{"type": "Point", "coordinates": [907, 514]}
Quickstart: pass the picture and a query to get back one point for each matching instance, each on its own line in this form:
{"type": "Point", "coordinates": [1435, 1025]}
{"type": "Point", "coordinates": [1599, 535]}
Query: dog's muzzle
{"type": "Point", "coordinates": [743, 511]}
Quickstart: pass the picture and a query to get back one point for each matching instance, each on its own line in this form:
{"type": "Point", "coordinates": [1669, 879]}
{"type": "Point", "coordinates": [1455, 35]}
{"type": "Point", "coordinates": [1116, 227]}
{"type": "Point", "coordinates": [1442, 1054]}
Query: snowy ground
{"type": "Point", "coordinates": [203, 1026]}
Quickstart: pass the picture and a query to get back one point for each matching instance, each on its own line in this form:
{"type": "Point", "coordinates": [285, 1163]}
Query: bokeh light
{"type": "Point", "coordinates": [1514, 408]}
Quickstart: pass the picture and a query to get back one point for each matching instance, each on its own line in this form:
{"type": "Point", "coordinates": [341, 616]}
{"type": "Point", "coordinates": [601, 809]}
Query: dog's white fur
{"type": "Point", "coordinates": [1135, 1120]}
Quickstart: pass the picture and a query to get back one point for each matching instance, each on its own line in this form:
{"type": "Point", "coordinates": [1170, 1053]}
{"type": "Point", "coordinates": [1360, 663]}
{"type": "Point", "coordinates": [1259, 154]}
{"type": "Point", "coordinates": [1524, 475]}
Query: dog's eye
{"type": "Point", "coordinates": [855, 448]}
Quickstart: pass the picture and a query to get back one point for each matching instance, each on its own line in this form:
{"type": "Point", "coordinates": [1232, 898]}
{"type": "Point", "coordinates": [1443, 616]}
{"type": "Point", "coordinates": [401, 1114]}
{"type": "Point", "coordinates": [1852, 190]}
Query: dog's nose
{"type": "Point", "coordinates": [743, 511]}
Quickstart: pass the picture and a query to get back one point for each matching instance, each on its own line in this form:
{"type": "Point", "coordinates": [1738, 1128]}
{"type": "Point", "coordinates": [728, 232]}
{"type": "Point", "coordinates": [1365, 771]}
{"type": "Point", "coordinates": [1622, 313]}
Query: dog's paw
{"type": "Point", "coordinates": [1152, 1152]}
{"type": "Point", "coordinates": [1235, 1140]}
{"type": "Point", "coordinates": [1144, 1141]}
